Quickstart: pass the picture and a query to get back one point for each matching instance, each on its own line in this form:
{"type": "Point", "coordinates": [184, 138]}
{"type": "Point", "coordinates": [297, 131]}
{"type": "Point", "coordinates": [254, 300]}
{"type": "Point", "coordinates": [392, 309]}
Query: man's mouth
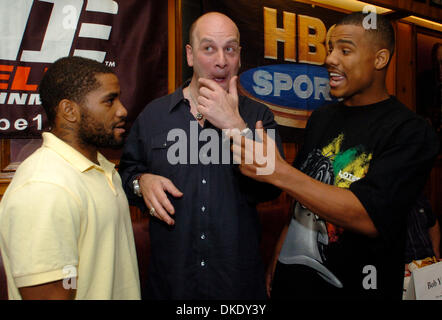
{"type": "Point", "coordinates": [219, 79]}
{"type": "Point", "coordinates": [120, 127]}
{"type": "Point", "coordinates": [336, 78]}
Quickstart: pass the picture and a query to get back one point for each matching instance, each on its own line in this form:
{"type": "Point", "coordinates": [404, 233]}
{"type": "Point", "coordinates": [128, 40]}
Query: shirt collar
{"type": "Point", "coordinates": [177, 96]}
{"type": "Point", "coordinates": [74, 157]}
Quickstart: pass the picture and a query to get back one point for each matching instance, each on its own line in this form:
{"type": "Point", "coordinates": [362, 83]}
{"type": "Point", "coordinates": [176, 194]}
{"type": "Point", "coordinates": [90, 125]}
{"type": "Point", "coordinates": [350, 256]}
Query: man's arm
{"type": "Point", "coordinates": [336, 205]}
{"type": "Point", "coordinates": [134, 164]}
{"type": "Point", "coordinates": [48, 291]}
{"type": "Point", "coordinates": [41, 238]}
{"type": "Point", "coordinates": [221, 108]}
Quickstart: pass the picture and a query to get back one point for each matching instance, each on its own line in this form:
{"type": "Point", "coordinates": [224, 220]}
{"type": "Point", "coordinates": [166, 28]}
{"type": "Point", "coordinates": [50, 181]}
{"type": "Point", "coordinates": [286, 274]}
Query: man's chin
{"type": "Point", "coordinates": [117, 142]}
{"type": "Point", "coordinates": [112, 142]}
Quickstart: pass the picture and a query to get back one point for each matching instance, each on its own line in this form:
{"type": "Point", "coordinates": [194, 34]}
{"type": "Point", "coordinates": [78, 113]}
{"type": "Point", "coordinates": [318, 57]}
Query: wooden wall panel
{"type": "Point", "coordinates": [405, 65]}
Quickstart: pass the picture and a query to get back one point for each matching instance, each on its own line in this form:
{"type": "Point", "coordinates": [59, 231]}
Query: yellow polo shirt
{"type": "Point", "coordinates": [61, 216]}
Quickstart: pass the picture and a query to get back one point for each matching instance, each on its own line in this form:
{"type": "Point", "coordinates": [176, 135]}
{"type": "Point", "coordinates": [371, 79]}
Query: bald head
{"type": "Point", "coordinates": [214, 18]}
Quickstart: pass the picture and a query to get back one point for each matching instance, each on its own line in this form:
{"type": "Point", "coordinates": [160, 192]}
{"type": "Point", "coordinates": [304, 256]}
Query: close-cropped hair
{"type": "Point", "coordinates": [69, 78]}
{"type": "Point", "coordinates": [382, 32]}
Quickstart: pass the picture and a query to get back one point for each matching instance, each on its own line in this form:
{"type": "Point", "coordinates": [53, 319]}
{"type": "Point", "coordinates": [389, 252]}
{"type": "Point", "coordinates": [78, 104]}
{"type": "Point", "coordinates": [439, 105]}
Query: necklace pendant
{"type": "Point", "coordinates": [199, 116]}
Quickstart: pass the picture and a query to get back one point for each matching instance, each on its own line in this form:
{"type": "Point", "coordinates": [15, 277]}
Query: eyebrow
{"type": "Point", "coordinates": [112, 95]}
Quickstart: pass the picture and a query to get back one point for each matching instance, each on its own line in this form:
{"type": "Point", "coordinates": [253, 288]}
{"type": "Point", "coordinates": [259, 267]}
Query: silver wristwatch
{"type": "Point", "coordinates": [136, 186]}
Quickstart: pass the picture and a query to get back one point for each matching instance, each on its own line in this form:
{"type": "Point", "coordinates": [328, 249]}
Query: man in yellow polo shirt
{"type": "Point", "coordinates": [65, 228]}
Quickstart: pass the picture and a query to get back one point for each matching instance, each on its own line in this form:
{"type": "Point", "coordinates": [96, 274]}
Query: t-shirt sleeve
{"type": "Point", "coordinates": [40, 229]}
{"type": "Point", "coordinates": [397, 175]}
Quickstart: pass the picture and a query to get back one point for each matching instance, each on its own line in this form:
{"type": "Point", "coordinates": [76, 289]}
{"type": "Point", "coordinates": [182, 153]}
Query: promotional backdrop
{"type": "Point", "coordinates": [128, 35]}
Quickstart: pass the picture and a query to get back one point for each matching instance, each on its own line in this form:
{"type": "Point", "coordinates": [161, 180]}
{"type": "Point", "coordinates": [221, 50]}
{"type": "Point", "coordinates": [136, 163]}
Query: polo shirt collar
{"type": "Point", "coordinates": [74, 157]}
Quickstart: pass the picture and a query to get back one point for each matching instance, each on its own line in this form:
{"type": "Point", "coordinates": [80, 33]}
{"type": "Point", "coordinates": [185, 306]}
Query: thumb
{"type": "Point", "coordinates": [233, 86]}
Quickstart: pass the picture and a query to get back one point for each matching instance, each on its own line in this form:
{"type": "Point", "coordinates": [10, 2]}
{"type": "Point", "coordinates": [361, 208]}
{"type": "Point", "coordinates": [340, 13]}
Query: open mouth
{"type": "Point", "coordinates": [336, 78]}
{"type": "Point", "coordinates": [219, 79]}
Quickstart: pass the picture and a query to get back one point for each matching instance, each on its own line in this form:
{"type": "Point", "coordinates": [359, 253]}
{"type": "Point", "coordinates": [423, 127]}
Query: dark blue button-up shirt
{"type": "Point", "coordinates": [212, 251]}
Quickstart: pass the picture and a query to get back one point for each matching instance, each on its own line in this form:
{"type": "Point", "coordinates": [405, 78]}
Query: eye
{"type": "Point", "coordinates": [208, 49]}
{"type": "Point", "coordinates": [230, 49]}
{"type": "Point", "coordinates": [346, 51]}
{"type": "Point", "coordinates": [109, 101]}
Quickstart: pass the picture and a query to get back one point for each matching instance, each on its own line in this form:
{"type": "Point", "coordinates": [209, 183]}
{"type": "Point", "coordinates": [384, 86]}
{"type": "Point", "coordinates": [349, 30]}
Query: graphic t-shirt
{"type": "Point", "coordinates": [383, 153]}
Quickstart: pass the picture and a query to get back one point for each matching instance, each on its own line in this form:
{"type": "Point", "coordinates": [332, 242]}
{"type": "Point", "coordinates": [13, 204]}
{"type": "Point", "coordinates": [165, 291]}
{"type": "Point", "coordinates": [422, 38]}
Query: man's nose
{"type": "Point", "coordinates": [221, 61]}
{"type": "Point", "coordinates": [330, 59]}
{"type": "Point", "coordinates": [121, 110]}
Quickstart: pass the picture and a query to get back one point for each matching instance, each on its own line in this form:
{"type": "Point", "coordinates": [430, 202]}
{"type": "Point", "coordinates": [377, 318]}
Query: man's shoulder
{"type": "Point", "coordinates": [44, 166]}
{"type": "Point", "coordinates": [400, 115]}
{"type": "Point", "coordinates": [251, 106]}
{"type": "Point", "coordinates": [159, 104]}
{"type": "Point", "coordinates": [247, 102]}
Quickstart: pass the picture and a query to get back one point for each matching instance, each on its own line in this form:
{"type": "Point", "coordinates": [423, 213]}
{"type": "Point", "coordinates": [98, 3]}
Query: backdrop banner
{"type": "Point", "coordinates": [283, 54]}
{"type": "Point", "coordinates": [127, 35]}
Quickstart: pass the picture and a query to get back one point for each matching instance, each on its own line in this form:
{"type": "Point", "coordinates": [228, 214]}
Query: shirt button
{"type": "Point", "coordinates": [203, 236]}
{"type": "Point", "coordinates": [204, 181]}
{"type": "Point", "coordinates": [203, 263]}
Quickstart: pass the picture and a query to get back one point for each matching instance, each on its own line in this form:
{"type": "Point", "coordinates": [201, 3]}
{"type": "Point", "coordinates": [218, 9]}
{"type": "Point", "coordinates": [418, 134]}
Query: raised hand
{"type": "Point", "coordinates": [218, 106]}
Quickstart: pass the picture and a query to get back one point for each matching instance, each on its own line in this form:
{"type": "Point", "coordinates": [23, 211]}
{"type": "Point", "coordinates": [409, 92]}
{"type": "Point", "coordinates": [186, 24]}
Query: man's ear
{"type": "Point", "coordinates": [381, 59]}
{"type": "Point", "coordinates": [189, 55]}
{"type": "Point", "coordinates": [68, 110]}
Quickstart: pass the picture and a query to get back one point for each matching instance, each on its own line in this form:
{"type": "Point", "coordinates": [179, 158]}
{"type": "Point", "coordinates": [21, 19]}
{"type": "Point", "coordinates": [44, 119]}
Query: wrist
{"type": "Point", "coordinates": [280, 173]}
{"type": "Point", "coordinates": [136, 185]}
{"type": "Point", "coordinates": [237, 124]}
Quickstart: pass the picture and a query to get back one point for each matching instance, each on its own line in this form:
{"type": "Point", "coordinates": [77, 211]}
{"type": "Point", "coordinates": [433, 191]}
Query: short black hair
{"type": "Point", "coordinates": [382, 33]}
{"type": "Point", "coordinates": [69, 78]}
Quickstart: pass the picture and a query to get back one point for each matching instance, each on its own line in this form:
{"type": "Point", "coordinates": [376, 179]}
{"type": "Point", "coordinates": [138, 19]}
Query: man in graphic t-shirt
{"type": "Point", "coordinates": [363, 163]}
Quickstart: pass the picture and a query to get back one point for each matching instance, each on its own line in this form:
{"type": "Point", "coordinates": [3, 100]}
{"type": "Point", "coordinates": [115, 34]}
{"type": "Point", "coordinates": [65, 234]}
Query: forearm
{"type": "Point", "coordinates": [48, 291]}
{"type": "Point", "coordinates": [336, 205]}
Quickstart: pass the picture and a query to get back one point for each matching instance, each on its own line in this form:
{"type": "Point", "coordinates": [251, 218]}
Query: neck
{"type": "Point", "coordinates": [69, 135]}
{"type": "Point", "coordinates": [193, 89]}
{"type": "Point", "coordinates": [376, 93]}
{"type": "Point", "coordinates": [191, 93]}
